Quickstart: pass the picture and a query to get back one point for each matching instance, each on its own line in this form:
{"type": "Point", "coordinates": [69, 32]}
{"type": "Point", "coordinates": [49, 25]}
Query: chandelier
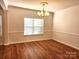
{"type": "Point", "coordinates": [43, 12]}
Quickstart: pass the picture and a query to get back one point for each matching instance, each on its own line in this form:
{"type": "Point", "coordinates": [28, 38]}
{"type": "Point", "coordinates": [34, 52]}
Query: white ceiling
{"type": "Point", "coordinates": [53, 5]}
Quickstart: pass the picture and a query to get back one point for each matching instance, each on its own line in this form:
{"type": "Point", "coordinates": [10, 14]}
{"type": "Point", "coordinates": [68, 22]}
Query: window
{"type": "Point", "coordinates": [33, 26]}
{"type": "Point", "coordinates": [0, 25]}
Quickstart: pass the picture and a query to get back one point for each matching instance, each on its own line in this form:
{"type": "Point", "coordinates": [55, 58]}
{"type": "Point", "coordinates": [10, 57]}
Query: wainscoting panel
{"type": "Point", "coordinates": [18, 37]}
{"type": "Point", "coordinates": [67, 38]}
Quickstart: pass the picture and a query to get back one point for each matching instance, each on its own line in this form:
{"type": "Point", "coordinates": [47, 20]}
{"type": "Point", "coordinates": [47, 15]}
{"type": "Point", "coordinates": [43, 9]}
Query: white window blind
{"type": "Point", "coordinates": [33, 26]}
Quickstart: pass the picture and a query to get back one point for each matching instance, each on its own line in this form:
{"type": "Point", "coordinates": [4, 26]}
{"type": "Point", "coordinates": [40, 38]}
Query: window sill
{"type": "Point", "coordinates": [34, 35]}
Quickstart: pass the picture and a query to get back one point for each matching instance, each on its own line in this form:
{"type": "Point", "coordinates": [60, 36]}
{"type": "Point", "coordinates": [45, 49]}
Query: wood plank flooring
{"type": "Point", "coordinates": [1, 51]}
{"type": "Point", "coordinates": [47, 49]}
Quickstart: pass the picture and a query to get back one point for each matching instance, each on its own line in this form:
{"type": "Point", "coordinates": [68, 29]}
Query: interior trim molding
{"type": "Point", "coordinates": [16, 6]}
{"type": "Point", "coordinates": [67, 44]}
{"type": "Point", "coordinates": [67, 33]}
{"type": "Point", "coordinates": [23, 31]}
{"type": "Point", "coordinates": [24, 41]}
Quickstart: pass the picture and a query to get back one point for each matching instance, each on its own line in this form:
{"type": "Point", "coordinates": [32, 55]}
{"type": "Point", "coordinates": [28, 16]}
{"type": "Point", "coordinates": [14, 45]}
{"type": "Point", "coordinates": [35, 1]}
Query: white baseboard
{"type": "Point", "coordinates": [67, 44]}
{"type": "Point", "coordinates": [24, 41]}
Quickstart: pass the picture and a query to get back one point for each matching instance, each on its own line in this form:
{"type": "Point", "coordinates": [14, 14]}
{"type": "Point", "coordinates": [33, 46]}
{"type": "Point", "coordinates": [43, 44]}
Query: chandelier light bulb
{"type": "Point", "coordinates": [39, 13]}
{"type": "Point", "coordinates": [46, 13]}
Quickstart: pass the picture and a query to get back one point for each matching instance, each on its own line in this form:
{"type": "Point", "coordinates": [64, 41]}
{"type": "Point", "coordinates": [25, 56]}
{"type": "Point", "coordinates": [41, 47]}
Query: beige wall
{"type": "Point", "coordinates": [66, 26]}
{"type": "Point", "coordinates": [16, 25]}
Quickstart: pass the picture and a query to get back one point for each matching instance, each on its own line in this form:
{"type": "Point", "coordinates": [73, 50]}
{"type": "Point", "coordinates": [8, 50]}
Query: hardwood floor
{"type": "Point", "coordinates": [47, 49]}
{"type": "Point", "coordinates": [1, 51]}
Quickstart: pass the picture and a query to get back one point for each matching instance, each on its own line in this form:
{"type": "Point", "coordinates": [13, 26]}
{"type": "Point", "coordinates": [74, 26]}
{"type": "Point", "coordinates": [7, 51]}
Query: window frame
{"type": "Point", "coordinates": [42, 27]}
